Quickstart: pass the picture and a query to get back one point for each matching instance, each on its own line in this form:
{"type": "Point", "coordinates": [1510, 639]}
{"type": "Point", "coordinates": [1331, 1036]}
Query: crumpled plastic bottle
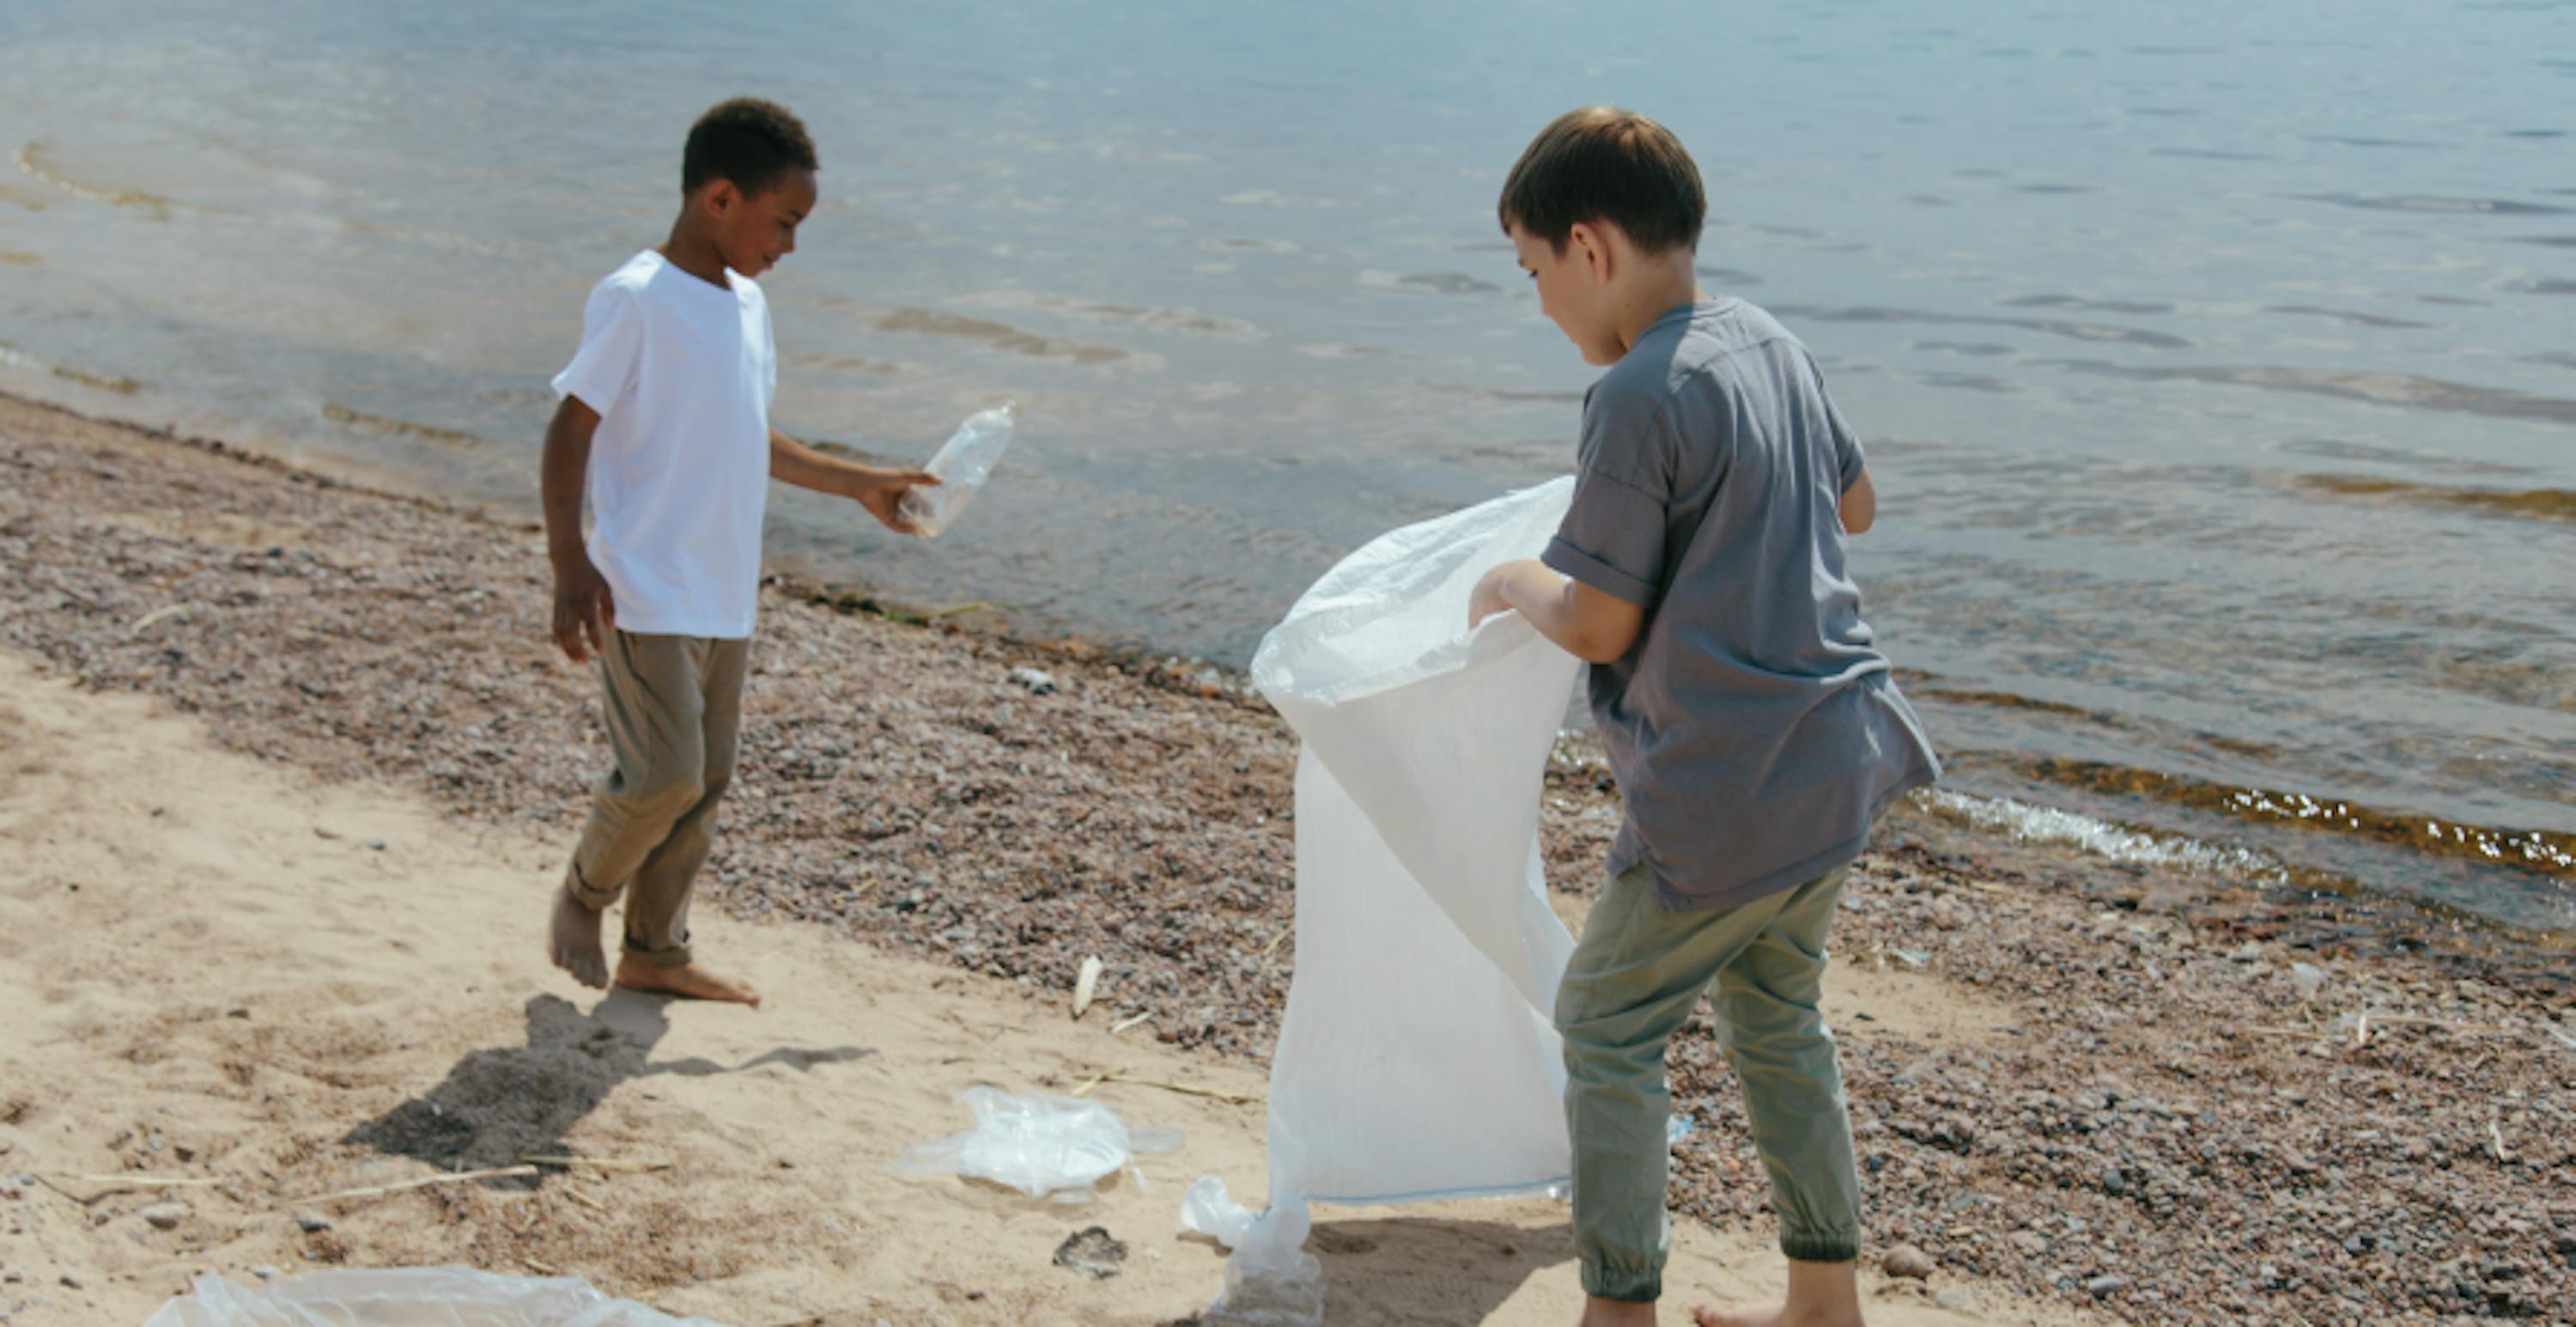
{"type": "Point", "coordinates": [963, 463]}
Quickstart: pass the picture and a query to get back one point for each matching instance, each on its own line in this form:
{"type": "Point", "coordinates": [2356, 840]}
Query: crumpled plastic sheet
{"type": "Point", "coordinates": [1045, 1147]}
{"type": "Point", "coordinates": [409, 1297]}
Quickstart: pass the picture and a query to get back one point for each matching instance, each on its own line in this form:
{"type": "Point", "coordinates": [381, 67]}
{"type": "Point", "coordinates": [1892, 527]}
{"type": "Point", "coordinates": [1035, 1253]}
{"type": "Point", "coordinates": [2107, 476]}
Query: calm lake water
{"type": "Point", "coordinates": [2218, 360]}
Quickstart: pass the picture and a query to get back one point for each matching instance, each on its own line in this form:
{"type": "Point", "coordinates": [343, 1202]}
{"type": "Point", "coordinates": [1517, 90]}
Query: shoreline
{"type": "Point", "coordinates": [2062, 1069]}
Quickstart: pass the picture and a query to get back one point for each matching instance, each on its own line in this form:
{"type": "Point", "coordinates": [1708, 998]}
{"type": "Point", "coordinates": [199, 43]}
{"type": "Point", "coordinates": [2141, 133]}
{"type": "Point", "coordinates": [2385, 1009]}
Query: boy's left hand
{"type": "Point", "coordinates": [881, 492]}
{"type": "Point", "coordinates": [1487, 600]}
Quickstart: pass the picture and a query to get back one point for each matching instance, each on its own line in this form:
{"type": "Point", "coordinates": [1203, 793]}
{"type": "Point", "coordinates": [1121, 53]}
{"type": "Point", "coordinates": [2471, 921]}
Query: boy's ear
{"type": "Point", "coordinates": [1590, 242]}
{"type": "Point", "coordinates": [721, 196]}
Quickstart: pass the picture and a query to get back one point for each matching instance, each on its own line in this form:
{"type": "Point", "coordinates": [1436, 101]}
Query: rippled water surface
{"type": "Point", "coordinates": [2219, 360]}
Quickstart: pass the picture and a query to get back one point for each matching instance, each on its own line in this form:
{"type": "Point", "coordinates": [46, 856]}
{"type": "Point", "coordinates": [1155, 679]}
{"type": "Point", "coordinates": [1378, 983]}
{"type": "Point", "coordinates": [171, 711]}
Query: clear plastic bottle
{"type": "Point", "coordinates": [964, 462]}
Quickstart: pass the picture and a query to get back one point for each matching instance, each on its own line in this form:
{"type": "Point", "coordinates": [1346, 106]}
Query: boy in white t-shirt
{"type": "Point", "coordinates": [669, 396]}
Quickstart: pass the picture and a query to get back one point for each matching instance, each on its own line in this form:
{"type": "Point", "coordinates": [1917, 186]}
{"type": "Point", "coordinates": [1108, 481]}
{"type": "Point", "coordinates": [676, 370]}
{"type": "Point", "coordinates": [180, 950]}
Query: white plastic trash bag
{"type": "Point", "coordinates": [409, 1297]}
{"type": "Point", "coordinates": [962, 464]}
{"type": "Point", "coordinates": [1042, 1146]}
{"type": "Point", "coordinates": [1417, 1058]}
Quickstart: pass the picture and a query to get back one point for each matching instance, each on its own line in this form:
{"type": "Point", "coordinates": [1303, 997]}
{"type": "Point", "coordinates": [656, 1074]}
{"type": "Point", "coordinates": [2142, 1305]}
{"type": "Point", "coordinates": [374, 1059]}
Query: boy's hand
{"type": "Point", "coordinates": [1488, 601]}
{"type": "Point", "coordinates": [881, 492]}
{"type": "Point", "coordinates": [584, 613]}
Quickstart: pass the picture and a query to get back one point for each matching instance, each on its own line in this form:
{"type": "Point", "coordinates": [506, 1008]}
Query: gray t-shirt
{"type": "Point", "coordinates": [1754, 729]}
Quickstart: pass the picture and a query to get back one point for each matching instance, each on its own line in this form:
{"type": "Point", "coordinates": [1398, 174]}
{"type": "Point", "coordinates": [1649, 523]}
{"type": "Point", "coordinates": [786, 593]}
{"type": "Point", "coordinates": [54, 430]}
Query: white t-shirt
{"type": "Point", "coordinates": [682, 373]}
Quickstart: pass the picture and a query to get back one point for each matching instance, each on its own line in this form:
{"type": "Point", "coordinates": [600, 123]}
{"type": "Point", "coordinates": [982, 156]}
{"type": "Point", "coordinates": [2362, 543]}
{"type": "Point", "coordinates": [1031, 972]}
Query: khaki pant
{"type": "Point", "coordinates": [674, 706]}
{"type": "Point", "coordinates": [1633, 980]}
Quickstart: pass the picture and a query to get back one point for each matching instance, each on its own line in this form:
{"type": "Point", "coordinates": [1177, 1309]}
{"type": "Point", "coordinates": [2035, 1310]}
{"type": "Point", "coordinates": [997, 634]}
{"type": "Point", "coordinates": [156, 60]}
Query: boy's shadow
{"type": "Point", "coordinates": [497, 1106]}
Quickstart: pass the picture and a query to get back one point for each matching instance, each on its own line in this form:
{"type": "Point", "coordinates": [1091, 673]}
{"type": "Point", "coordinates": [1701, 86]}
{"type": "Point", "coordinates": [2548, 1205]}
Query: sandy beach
{"type": "Point", "coordinates": [287, 768]}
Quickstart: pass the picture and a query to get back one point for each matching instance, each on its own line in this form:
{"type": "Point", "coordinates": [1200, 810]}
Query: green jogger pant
{"type": "Point", "coordinates": [1631, 984]}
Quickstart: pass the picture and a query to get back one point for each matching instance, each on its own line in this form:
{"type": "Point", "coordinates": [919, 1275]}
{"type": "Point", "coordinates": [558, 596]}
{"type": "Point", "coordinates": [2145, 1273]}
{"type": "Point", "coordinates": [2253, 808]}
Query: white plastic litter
{"type": "Point", "coordinates": [409, 1297]}
{"type": "Point", "coordinates": [963, 463]}
{"type": "Point", "coordinates": [1210, 1211]}
{"type": "Point", "coordinates": [1045, 1147]}
{"type": "Point", "coordinates": [2307, 978]}
{"type": "Point", "coordinates": [1416, 1059]}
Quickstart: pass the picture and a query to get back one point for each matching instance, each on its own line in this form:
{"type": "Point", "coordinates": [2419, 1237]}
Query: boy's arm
{"type": "Point", "coordinates": [1860, 505]}
{"type": "Point", "coordinates": [875, 488]}
{"type": "Point", "coordinates": [583, 609]}
{"type": "Point", "coordinates": [1584, 622]}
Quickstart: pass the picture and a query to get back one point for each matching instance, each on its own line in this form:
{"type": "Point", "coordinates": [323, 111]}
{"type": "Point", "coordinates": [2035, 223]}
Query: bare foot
{"type": "Point", "coordinates": [1599, 1312]}
{"type": "Point", "coordinates": [1820, 1295]}
{"type": "Point", "coordinates": [574, 941]}
{"type": "Point", "coordinates": [686, 980]}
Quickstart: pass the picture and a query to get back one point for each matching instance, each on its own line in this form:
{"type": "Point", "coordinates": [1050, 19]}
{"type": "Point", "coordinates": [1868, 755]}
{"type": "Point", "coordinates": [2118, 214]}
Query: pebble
{"type": "Point", "coordinates": [2103, 1287]}
{"type": "Point", "coordinates": [1037, 681]}
{"type": "Point", "coordinates": [1091, 1252]}
{"type": "Point", "coordinates": [2249, 952]}
{"type": "Point", "coordinates": [164, 1216]}
{"type": "Point", "coordinates": [1905, 1260]}
{"type": "Point", "coordinates": [312, 1223]}
{"type": "Point", "coordinates": [2114, 1182]}
{"type": "Point", "coordinates": [237, 1011]}
{"type": "Point", "coordinates": [1951, 1299]}
{"type": "Point", "coordinates": [266, 1273]}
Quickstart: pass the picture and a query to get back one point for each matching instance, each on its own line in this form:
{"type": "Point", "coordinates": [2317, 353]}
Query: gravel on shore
{"type": "Point", "coordinates": [2195, 1108]}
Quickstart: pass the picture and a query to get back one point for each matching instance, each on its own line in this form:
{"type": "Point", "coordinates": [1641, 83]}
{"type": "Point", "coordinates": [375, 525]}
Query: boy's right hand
{"type": "Point", "coordinates": [584, 613]}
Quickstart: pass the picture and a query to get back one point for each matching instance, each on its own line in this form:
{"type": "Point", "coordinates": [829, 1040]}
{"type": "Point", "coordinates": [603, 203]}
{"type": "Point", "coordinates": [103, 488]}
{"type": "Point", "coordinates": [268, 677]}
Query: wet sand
{"type": "Point", "coordinates": [2078, 1089]}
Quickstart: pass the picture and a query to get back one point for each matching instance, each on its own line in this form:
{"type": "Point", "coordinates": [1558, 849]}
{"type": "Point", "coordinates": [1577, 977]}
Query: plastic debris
{"type": "Point", "coordinates": [1045, 1147]}
{"type": "Point", "coordinates": [408, 1297]}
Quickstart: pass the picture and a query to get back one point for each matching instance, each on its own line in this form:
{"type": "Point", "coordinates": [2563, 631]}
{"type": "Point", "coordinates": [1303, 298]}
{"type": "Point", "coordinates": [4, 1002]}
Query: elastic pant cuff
{"type": "Point", "coordinates": [675, 956]}
{"type": "Point", "coordinates": [594, 899]}
{"type": "Point", "coordinates": [1820, 1246]}
{"type": "Point", "coordinates": [1628, 1285]}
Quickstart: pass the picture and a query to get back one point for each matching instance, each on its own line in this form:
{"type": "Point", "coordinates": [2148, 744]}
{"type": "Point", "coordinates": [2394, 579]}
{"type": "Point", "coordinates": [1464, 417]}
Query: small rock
{"type": "Point", "coordinates": [312, 1223]}
{"type": "Point", "coordinates": [266, 1273]}
{"type": "Point", "coordinates": [1037, 681]}
{"type": "Point", "coordinates": [1091, 1253]}
{"type": "Point", "coordinates": [1953, 1300]}
{"type": "Point", "coordinates": [2103, 1287]}
{"type": "Point", "coordinates": [158, 1143]}
{"type": "Point", "coordinates": [71, 1282]}
{"type": "Point", "coordinates": [2114, 1182]}
{"type": "Point", "coordinates": [164, 1216]}
{"type": "Point", "coordinates": [237, 1011]}
{"type": "Point", "coordinates": [1905, 1260]}
{"type": "Point", "coordinates": [2249, 952]}
{"type": "Point", "coordinates": [375, 845]}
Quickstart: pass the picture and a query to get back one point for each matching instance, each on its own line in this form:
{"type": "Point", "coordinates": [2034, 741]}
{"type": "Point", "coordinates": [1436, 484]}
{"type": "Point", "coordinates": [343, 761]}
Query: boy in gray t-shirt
{"type": "Point", "coordinates": [1753, 726]}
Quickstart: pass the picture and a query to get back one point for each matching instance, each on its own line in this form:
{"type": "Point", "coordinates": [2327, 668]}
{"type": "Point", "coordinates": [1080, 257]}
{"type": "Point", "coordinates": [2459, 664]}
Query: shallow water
{"type": "Point", "coordinates": [2219, 361]}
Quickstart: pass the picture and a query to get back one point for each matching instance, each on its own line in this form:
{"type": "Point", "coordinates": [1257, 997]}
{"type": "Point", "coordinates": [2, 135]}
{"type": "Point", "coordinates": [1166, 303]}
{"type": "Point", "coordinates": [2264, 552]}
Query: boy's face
{"type": "Point", "coordinates": [1573, 290]}
{"type": "Point", "coordinates": [754, 231]}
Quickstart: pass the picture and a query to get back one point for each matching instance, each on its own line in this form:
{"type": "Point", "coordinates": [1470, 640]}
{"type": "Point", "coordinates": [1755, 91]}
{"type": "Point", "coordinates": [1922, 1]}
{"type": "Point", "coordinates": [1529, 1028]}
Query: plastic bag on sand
{"type": "Point", "coordinates": [1419, 890]}
{"type": "Point", "coordinates": [1041, 1146]}
{"type": "Point", "coordinates": [962, 464]}
{"type": "Point", "coordinates": [409, 1297]}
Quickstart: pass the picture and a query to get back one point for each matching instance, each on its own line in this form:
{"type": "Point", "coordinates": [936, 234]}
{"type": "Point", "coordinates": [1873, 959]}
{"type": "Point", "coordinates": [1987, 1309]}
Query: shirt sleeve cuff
{"type": "Point", "coordinates": [1571, 561]}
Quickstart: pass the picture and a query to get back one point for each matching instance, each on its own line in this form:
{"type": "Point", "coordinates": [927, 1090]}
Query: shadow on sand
{"type": "Point", "coordinates": [497, 1106]}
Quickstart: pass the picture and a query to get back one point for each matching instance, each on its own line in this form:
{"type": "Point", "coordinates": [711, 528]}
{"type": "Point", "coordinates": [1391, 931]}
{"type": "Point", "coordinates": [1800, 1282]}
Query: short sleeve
{"type": "Point", "coordinates": [612, 340]}
{"type": "Point", "coordinates": [1848, 460]}
{"type": "Point", "coordinates": [1612, 538]}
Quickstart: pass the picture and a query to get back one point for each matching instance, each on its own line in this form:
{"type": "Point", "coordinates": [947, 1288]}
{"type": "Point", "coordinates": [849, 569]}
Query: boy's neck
{"type": "Point", "coordinates": [692, 252]}
{"type": "Point", "coordinates": [1660, 284]}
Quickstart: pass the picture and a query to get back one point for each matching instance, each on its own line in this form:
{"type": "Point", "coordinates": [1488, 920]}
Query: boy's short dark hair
{"type": "Point", "coordinates": [1601, 163]}
{"type": "Point", "coordinates": [748, 141]}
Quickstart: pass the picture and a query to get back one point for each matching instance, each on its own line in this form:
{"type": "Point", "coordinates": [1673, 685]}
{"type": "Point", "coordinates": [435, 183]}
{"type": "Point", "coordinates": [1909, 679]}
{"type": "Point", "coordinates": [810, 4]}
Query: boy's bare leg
{"type": "Point", "coordinates": [1599, 1312]}
{"type": "Point", "coordinates": [1821, 1294]}
{"type": "Point", "coordinates": [689, 981]}
{"type": "Point", "coordinates": [573, 940]}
